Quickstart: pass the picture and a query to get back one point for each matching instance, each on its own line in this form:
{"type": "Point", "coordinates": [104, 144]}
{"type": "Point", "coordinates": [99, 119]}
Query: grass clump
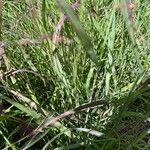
{"type": "Point", "coordinates": [74, 74]}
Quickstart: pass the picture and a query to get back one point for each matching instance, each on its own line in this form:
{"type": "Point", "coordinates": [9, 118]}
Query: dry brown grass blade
{"type": "Point", "coordinates": [54, 120]}
{"type": "Point", "coordinates": [32, 10]}
{"type": "Point", "coordinates": [6, 61]}
{"type": "Point", "coordinates": [59, 25]}
{"type": "Point", "coordinates": [130, 14]}
{"type": "Point", "coordinates": [129, 10]}
{"type": "Point", "coordinates": [118, 6]}
{"type": "Point", "coordinates": [22, 70]}
{"type": "Point", "coordinates": [25, 41]}
{"type": "Point", "coordinates": [26, 100]}
{"type": "Point", "coordinates": [2, 52]}
{"type": "Point", "coordinates": [42, 38]}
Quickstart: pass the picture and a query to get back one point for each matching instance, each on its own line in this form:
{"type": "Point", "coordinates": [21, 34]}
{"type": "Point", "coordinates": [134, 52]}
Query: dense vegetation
{"type": "Point", "coordinates": [74, 74]}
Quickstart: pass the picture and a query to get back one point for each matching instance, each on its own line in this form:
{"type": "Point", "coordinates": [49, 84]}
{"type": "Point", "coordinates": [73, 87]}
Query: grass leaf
{"type": "Point", "coordinates": [85, 40]}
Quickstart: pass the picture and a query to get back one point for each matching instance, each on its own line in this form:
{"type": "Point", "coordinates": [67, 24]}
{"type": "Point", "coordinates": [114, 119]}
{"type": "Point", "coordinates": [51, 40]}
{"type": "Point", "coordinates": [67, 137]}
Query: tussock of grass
{"type": "Point", "coordinates": [59, 58]}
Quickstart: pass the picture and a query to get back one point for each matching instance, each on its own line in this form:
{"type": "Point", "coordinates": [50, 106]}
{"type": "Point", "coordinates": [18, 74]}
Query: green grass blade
{"type": "Point", "coordinates": [7, 140]}
{"type": "Point", "coordinates": [85, 40]}
{"type": "Point", "coordinates": [24, 109]}
{"type": "Point", "coordinates": [43, 13]}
